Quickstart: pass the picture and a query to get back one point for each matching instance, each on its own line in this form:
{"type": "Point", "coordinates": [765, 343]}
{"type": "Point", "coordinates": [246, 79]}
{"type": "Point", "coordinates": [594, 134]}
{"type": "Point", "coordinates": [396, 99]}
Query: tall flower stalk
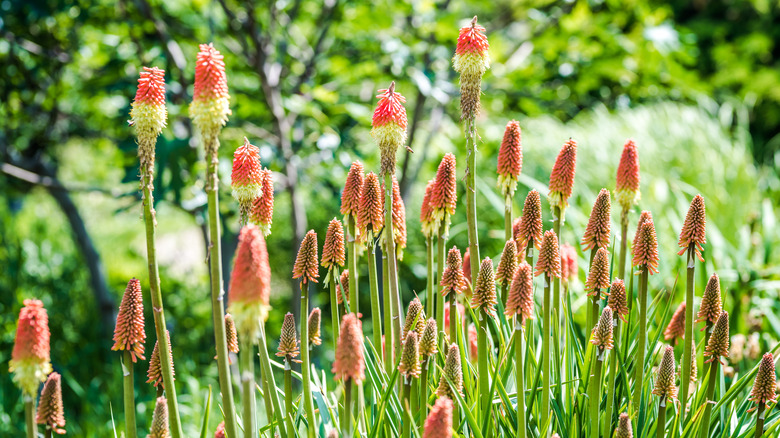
{"type": "Point", "coordinates": [692, 237]}
{"type": "Point", "coordinates": [646, 261]}
{"type": "Point", "coordinates": [389, 131]}
{"type": "Point", "coordinates": [409, 368]}
{"type": "Point", "coordinates": [428, 350]}
{"type": "Point", "coordinates": [350, 205]}
{"type": "Point", "coordinates": [148, 116]}
{"type": "Point", "coordinates": [549, 265]}
{"type": "Point", "coordinates": [306, 269]}
{"type": "Point", "coordinates": [764, 391]}
{"type": "Point", "coordinates": [618, 303]}
{"type": "Point", "coordinates": [597, 237]}
{"type": "Point", "coordinates": [333, 258]}
{"type": "Point", "coordinates": [510, 164]}
{"type": "Point", "coordinates": [129, 336]}
{"type": "Point", "coordinates": [442, 204]}
{"type": "Point", "coordinates": [471, 60]}
{"type": "Point", "coordinates": [349, 365]}
{"type": "Point", "coordinates": [602, 340]}
{"type": "Point", "coordinates": [484, 301]}
{"type": "Point", "coordinates": [665, 388]}
{"type": "Point", "coordinates": [288, 349]}
{"type": "Point", "coordinates": [520, 304]}
{"type": "Point", "coordinates": [428, 230]}
{"type": "Point", "coordinates": [627, 194]}
{"type": "Point", "coordinates": [369, 224]}
{"type": "Point", "coordinates": [717, 346]}
{"type": "Point", "coordinates": [453, 283]}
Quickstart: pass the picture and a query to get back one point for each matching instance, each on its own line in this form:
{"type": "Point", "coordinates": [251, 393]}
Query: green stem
{"type": "Point", "coordinates": [392, 268]}
{"type": "Point", "coordinates": [639, 362]}
{"type": "Point", "coordinates": [612, 377]}
{"type": "Point", "coordinates": [507, 219]}
{"type": "Point", "coordinates": [429, 285]}
{"type": "Point", "coordinates": [269, 383]}
{"type": "Point", "coordinates": [546, 334]}
{"type": "Point", "coordinates": [288, 396]}
{"type": "Point", "coordinates": [454, 318]}
{"type": "Point", "coordinates": [688, 337]}
{"type": "Point", "coordinates": [660, 424]}
{"type": "Point", "coordinates": [217, 301]}
{"type": "Point", "coordinates": [29, 416]}
{"type": "Point", "coordinates": [704, 427]}
{"type": "Point", "coordinates": [157, 303]}
{"type": "Point", "coordinates": [47, 433]}
{"type": "Point", "coordinates": [471, 198]}
{"type": "Point", "coordinates": [407, 395]}
{"type": "Point", "coordinates": [305, 363]}
{"type": "Point", "coordinates": [441, 249]}
{"type": "Point", "coordinates": [388, 324]}
{"type": "Point", "coordinates": [424, 385]}
{"type": "Point", "coordinates": [129, 394]}
{"type": "Point", "coordinates": [334, 312]}
{"type": "Point", "coordinates": [248, 385]}
{"type": "Point", "coordinates": [482, 363]}
{"type": "Point", "coordinates": [590, 320]}
{"type": "Point", "coordinates": [760, 421]}
{"type": "Point", "coordinates": [352, 255]}
{"type": "Point", "coordinates": [376, 316]}
{"type": "Point", "coordinates": [594, 391]}
{"type": "Point", "coordinates": [623, 245]}
{"type": "Point", "coordinates": [558, 221]}
{"type": "Point", "coordinates": [270, 412]}
{"type": "Point", "coordinates": [346, 420]}
{"type": "Point", "coordinates": [519, 377]}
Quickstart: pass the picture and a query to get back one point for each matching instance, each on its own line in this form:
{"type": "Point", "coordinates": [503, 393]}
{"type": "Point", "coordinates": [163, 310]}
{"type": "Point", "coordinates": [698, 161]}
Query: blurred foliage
{"type": "Point", "coordinates": [694, 83]}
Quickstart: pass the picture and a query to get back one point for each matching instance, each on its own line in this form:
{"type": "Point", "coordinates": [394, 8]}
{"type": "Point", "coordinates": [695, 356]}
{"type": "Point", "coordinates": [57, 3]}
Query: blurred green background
{"type": "Point", "coordinates": [695, 83]}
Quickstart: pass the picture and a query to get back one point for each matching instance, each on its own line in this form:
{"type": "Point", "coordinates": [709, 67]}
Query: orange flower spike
{"type": "Point", "coordinates": [246, 179]}
{"type": "Point", "coordinates": [452, 279]}
{"type": "Point", "coordinates": [288, 339]}
{"type": "Point", "coordinates": [646, 248]}
{"type": "Point", "coordinates": [409, 364]}
{"type": "Point", "coordinates": [693, 234]}
{"type": "Point", "coordinates": [599, 224]}
{"type": "Point", "coordinates": [451, 380]}
{"type": "Point", "coordinates": [230, 333]}
{"type": "Point", "coordinates": [333, 252]}
{"type": "Point", "coordinates": [617, 299]}
{"type": "Point", "coordinates": [520, 300]}
{"type": "Point", "coordinates": [220, 432]}
{"type": "Point", "coordinates": [676, 328]}
{"type": "Point", "coordinates": [568, 263]}
{"type": "Point", "coordinates": [370, 218]}
{"type": "Point", "coordinates": [210, 105]}
{"type": "Point", "coordinates": [472, 61]}
{"type": "Point", "coordinates": [598, 277]}
{"type": "Point", "coordinates": [349, 363]}
{"type": "Point", "coordinates": [627, 184]}
{"type": "Point", "coordinates": [306, 262]}
{"type": "Point", "coordinates": [764, 388]}
{"type": "Point", "coordinates": [719, 340]}
{"type": "Point", "coordinates": [439, 421]}
{"type": "Point", "coordinates": [510, 159]}
{"type": "Point", "coordinates": [484, 296]}
{"type": "Point", "coordinates": [664, 382]}
{"type": "Point", "coordinates": [350, 197]}
{"type": "Point", "coordinates": [507, 264]}
{"type": "Point", "coordinates": [399, 220]}
{"type": "Point", "coordinates": [426, 211]}
{"type": "Point", "coordinates": [154, 373]}
{"type": "Point", "coordinates": [562, 176]}
{"type": "Point", "coordinates": [711, 304]}
{"type": "Point", "coordinates": [388, 126]}
{"type": "Point", "coordinates": [250, 282]}
{"type": "Point", "coordinates": [602, 336]}
{"type": "Point", "coordinates": [262, 212]}
{"type": "Point", "coordinates": [428, 339]}
{"type": "Point", "coordinates": [466, 268]}
{"type": "Point", "coordinates": [549, 261]}
{"type": "Point", "coordinates": [148, 114]}
{"type": "Point", "coordinates": [529, 228]}
{"type": "Point", "coordinates": [50, 408]}
{"type": "Point", "coordinates": [444, 196]}
{"type": "Point", "coordinates": [415, 319]}
{"type": "Point", "coordinates": [160, 427]}
{"type": "Point", "coordinates": [129, 331]}
{"type": "Point", "coordinates": [315, 318]}
{"type": "Point", "coordinates": [30, 360]}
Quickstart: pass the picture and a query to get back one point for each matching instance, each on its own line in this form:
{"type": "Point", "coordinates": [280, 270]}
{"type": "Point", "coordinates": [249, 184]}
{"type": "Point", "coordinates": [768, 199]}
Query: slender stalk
{"type": "Point", "coordinates": [623, 245]}
{"type": "Point", "coordinates": [660, 424]}
{"type": "Point", "coordinates": [386, 303]}
{"type": "Point", "coordinates": [556, 305]}
{"type": "Point", "coordinates": [288, 396]}
{"type": "Point", "coordinates": [248, 385]}
{"type": "Point", "coordinates": [407, 395]}
{"type": "Point", "coordinates": [704, 428]}
{"type": "Point", "coordinates": [639, 362]}
{"type": "Point", "coordinates": [352, 256]}
{"type": "Point", "coordinates": [47, 433]}
{"type": "Point", "coordinates": [592, 316]}
{"type": "Point", "coordinates": [392, 268]}
{"type": "Point", "coordinates": [217, 302]}
{"type": "Point", "coordinates": [29, 416]}
{"type": "Point", "coordinates": [269, 407]}
{"type": "Point", "coordinates": [546, 334]}
{"type": "Point", "coordinates": [305, 363]}
{"type": "Point", "coordinates": [482, 363]}
{"type": "Point", "coordinates": [431, 300]}
{"type": "Point", "coordinates": [376, 319]}
{"type": "Point", "coordinates": [424, 373]}
{"type": "Point", "coordinates": [269, 384]}
{"type": "Point", "coordinates": [157, 304]}
{"type": "Point", "coordinates": [471, 198]}
{"type": "Point", "coordinates": [688, 337]}
{"type": "Point", "coordinates": [334, 312]}
{"type": "Point", "coordinates": [520, 381]}
{"type": "Point", "coordinates": [441, 247]}
{"type": "Point", "coordinates": [760, 417]}
{"type": "Point", "coordinates": [612, 377]}
{"type": "Point", "coordinates": [454, 317]}
{"type": "Point", "coordinates": [507, 219]}
{"type": "Point", "coordinates": [594, 390]}
{"type": "Point", "coordinates": [129, 394]}
{"type": "Point", "coordinates": [346, 420]}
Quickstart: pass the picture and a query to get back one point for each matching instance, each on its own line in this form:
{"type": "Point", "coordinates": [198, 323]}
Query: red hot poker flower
{"type": "Point", "coordinates": [562, 176]}
{"type": "Point", "coordinates": [510, 159]}
{"type": "Point", "coordinates": [764, 389]}
{"type": "Point", "coordinates": [306, 262]}
{"type": "Point", "coordinates": [676, 328]}
{"type": "Point", "coordinates": [246, 178]}
{"type": "Point", "coordinates": [129, 332]}
{"type": "Point", "coordinates": [627, 186]}
{"type": "Point", "coordinates": [148, 113]}
{"type": "Point", "coordinates": [444, 193]}
{"type": "Point", "coordinates": [549, 261]}
{"type": "Point", "coordinates": [439, 421]}
{"type": "Point", "coordinates": [598, 277]}
{"type": "Point", "coordinates": [262, 213]}
{"type": "Point", "coordinates": [350, 197]}
{"type": "Point", "coordinates": [30, 359]}
{"type": "Point", "coordinates": [692, 235]}
{"type": "Point", "coordinates": [370, 218]}
{"type": "Point", "coordinates": [471, 61]}
{"type": "Point", "coordinates": [617, 299]}
{"type": "Point", "coordinates": [452, 279]}
{"type": "Point", "coordinates": [389, 126]}
{"type": "Point", "coordinates": [349, 363]}
{"type": "Point", "coordinates": [210, 105]}
{"type": "Point", "coordinates": [520, 300]}
{"type": "Point", "coordinates": [50, 408]}
{"type": "Point", "coordinates": [507, 264]}
{"type": "Point", "coordinates": [333, 253]}
{"type": "Point", "coordinates": [427, 223]}
{"type": "Point", "coordinates": [599, 224]}
{"type": "Point", "coordinates": [529, 228]}
{"type": "Point", "coordinates": [646, 248]}
{"type": "Point", "coordinates": [250, 282]}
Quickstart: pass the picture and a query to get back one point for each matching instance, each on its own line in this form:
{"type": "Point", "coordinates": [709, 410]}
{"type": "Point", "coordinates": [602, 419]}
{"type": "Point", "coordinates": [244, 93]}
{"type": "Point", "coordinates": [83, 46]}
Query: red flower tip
{"type": "Point", "coordinates": [549, 261]}
{"type": "Point", "coordinates": [390, 108]}
{"type": "Point", "coordinates": [472, 40]}
{"type": "Point", "coordinates": [439, 421]}
{"type": "Point", "coordinates": [350, 197]}
{"type": "Point", "coordinates": [262, 212]}
{"type": "Point", "coordinates": [349, 363]}
{"type": "Point", "coordinates": [306, 262]}
{"type": "Point", "coordinates": [528, 228]}
{"type": "Point", "coordinates": [389, 126]}
{"type": "Point", "coordinates": [444, 193]}
{"type": "Point", "coordinates": [520, 300]}
{"type": "Point", "coordinates": [627, 186]}
{"type": "Point", "coordinates": [250, 282]}
{"type": "Point", "coordinates": [646, 247]}
{"type": "Point", "coordinates": [562, 176]}
{"type": "Point", "coordinates": [246, 178]}
{"type": "Point", "coordinates": [452, 279]}
{"type": "Point", "coordinates": [370, 219]}
{"type": "Point", "coordinates": [510, 159]}
{"type": "Point", "coordinates": [426, 211]}
{"type": "Point", "coordinates": [151, 87]}
{"type": "Point", "coordinates": [30, 359]}
{"type": "Point", "coordinates": [210, 78]}
{"type": "Point", "coordinates": [129, 331]}
{"type": "Point", "coordinates": [333, 253]}
{"type": "Point", "coordinates": [50, 408]}
{"type": "Point", "coordinates": [568, 262]}
{"type": "Point", "coordinates": [599, 224]}
{"type": "Point", "coordinates": [598, 277]}
{"type": "Point", "coordinates": [692, 235]}
{"type": "Point", "coordinates": [676, 328]}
